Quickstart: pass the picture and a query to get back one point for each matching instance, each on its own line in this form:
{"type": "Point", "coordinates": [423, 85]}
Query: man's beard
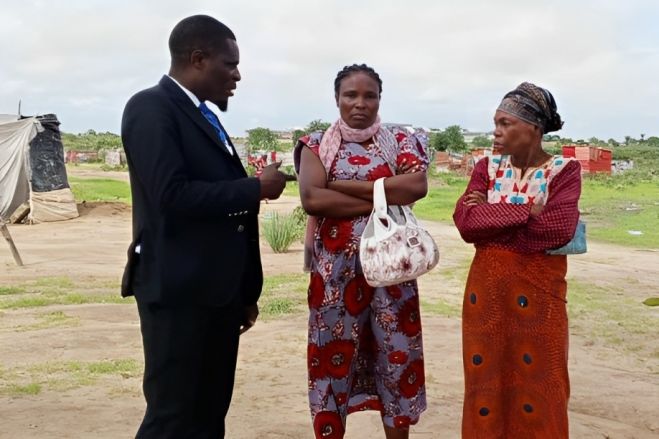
{"type": "Point", "coordinates": [222, 105]}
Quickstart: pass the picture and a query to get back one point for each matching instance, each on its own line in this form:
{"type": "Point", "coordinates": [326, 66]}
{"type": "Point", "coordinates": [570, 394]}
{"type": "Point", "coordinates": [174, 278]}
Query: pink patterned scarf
{"type": "Point", "coordinates": [331, 141]}
{"type": "Point", "coordinates": [327, 151]}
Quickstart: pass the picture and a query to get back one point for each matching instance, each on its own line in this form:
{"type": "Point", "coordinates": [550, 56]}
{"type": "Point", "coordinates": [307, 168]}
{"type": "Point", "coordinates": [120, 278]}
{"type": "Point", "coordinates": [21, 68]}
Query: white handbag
{"type": "Point", "coordinates": [393, 247]}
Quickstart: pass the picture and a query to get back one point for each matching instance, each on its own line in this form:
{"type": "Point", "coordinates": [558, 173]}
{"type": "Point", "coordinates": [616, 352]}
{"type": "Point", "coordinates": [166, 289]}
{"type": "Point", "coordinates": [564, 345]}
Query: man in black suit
{"type": "Point", "coordinates": [194, 264]}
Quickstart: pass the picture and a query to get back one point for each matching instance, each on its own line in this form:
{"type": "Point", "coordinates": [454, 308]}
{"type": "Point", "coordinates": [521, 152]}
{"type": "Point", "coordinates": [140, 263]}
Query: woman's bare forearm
{"type": "Point", "coordinates": [330, 203]}
{"type": "Point", "coordinates": [400, 189]}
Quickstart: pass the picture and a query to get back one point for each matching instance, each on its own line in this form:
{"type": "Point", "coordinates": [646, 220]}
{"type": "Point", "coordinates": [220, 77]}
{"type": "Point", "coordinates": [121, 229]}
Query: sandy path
{"type": "Point", "coordinates": [613, 394]}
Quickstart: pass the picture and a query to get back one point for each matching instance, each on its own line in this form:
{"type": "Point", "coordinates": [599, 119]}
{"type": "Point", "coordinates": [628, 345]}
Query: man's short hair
{"type": "Point", "coordinates": [198, 32]}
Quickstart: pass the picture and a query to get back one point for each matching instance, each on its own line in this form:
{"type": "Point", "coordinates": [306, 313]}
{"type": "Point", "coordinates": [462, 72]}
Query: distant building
{"type": "Point", "coordinates": [593, 159]}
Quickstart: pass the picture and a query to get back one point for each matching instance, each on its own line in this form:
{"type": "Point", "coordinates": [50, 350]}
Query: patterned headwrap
{"type": "Point", "coordinates": [534, 105]}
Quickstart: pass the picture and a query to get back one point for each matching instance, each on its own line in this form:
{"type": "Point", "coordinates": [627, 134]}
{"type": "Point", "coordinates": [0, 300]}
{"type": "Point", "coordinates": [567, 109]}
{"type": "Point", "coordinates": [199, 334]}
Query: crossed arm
{"type": "Point", "coordinates": [350, 198]}
{"type": "Point", "coordinates": [529, 228]}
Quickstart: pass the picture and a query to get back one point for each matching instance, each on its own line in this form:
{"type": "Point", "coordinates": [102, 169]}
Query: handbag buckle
{"type": "Point", "coordinates": [413, 241]}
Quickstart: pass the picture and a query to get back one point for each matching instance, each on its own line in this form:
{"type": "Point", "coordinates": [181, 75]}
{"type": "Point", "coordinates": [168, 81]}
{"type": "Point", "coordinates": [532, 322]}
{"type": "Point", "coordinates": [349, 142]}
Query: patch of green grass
{"type": "Point", "coordinates": [61, 375]}
{"type": "Point", "coordinates": [283, 294]}
{"type": "Point", "coordinates": [54, 282]}
{"type": "Point", "coordinates": [440, 307]}
{"type": "Point", "coordinates": [15, 384]}
{"type": "Point", "coordinates": [50, 320]}
{"type": "Point", "coordinates": [60, 291]}
{"type": "Point", "coordinates": [292, 189]}
{"type": "Point", "coordinates": [608, 315]}
{"type": "Point", "coordinates": [285, 145]}
{"type": "Point", "coordinates": [278, 306]}
{"type": "Point", "coordinates": [9, 290]}
{"type": "Point", "coordinates": [281, 230]}
{"type": "Point", "coordinates": [108, 168]}
{"type": "Point", "coordinates": [26, 302]}
{"type": "Point", "coordinates": [99, 189]}
{"type": "Point", "coordinates": [110, 284]}
{"type": "Point", "coordinates": [612, 208]}
{"type": "Point", "coordinates": [22, 390]}
{"type": "Point", "coordinates": [47, 299]}
{"type": "Point", "coordinates": [456, 272]}
{"type": "Point", "coordinates": [442, 289]}
{"type": "Point", "coordinates": [125, 368]}
{"type": "Point", "coordinates": [65, 375]}
{"type": "Point", "coordinates": [72, 374]}
{"type": "Point", "coordinates": [443, 191]}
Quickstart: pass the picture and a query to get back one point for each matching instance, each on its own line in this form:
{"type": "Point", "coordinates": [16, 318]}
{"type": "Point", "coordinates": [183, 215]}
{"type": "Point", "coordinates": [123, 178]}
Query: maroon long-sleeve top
{"type": "Point", "coordinates": [512, 226]}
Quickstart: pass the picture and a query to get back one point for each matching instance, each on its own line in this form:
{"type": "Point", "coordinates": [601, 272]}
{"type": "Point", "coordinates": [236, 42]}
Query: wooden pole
{"type": "Point", "coordinates": [12, 246]}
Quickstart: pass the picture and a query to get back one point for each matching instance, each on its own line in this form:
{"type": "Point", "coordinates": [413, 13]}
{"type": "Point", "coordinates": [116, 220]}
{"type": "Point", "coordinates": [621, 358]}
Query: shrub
{"type": "Point", "coordinates": [280, 231]}
{"type": "Point", "coordinates": [300, 217]}
{"type": "Point", "coordinates": [288, 169]}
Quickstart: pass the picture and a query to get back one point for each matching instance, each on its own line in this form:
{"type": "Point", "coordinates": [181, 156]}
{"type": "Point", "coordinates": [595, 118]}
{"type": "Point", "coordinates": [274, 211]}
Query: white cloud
{"type": "Point", "coordinates": [442, 62]}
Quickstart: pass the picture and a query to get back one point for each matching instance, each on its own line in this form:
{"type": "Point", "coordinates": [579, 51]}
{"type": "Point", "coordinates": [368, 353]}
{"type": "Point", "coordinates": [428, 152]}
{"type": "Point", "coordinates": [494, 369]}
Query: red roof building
{"type": "Point", "coordinates": [593, 159]}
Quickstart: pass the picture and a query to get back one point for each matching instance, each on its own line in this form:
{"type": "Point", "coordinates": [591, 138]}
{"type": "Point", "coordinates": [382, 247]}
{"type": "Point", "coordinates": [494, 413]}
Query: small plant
{"type": "Point", "coordinates": [281, 231]}
{"type": "Point", "coordinates": [278, 307]}
{"type": "Point", "coordinates": [300, 215]}
{"type": "Point", "coordinates": [301, 219]}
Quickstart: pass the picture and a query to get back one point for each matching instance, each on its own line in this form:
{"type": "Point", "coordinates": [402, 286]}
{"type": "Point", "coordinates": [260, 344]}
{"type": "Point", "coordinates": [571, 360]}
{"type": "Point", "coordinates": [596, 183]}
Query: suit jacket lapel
{"type": "Point", "coordinates": [195, 114]}
{"type": "Point", "coordinates": [235, 151]}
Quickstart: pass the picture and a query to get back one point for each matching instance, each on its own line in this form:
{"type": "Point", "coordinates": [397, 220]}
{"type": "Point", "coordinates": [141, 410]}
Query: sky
{"type": "Point", "coordinates": [442, 62]}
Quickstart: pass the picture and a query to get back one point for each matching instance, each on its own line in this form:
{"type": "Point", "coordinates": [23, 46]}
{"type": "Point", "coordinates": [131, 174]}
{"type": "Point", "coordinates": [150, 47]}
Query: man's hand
{"type": "Point", "coordinates": [475, 198]}
{"type": "Point", "coordinates": [273, 182]}
{"type": "Point", "coordinates": [250, 314]}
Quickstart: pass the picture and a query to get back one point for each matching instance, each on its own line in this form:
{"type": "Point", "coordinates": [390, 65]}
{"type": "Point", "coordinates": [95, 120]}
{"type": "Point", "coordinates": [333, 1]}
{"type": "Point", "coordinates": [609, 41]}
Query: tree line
{"type": "Point", "coordinates": [264, 139]}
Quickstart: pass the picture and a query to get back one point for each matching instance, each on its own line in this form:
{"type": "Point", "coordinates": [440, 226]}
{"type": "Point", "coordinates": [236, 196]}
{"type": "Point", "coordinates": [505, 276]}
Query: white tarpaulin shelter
{"type": "Point", "coordinates": [32, 169]}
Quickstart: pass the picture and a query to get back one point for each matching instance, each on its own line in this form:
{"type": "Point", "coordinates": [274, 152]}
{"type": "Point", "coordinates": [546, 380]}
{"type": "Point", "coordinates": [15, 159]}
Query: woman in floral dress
{"type": "Point", "coordinates": [518, 204]}
{"type": "Point", "coordinates": [365, 349]}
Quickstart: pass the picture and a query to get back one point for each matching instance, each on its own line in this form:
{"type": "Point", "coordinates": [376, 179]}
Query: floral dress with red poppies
{"type": "Point", "coordinates": [365, 347]}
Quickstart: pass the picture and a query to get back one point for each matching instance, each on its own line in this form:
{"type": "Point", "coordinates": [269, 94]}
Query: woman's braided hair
{"type": "Point", "coordinates": [356, 68]}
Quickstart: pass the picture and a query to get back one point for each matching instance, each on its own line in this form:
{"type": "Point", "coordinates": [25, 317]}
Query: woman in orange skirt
{"type": "Point", "coordinates": [519, 203]}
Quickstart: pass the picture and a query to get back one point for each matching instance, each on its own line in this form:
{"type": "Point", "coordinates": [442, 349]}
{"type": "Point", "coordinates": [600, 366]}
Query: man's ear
{"type": "Point", "coordinates": [197, 58]}
{"type": "Point", "coordinates": [336, 97]}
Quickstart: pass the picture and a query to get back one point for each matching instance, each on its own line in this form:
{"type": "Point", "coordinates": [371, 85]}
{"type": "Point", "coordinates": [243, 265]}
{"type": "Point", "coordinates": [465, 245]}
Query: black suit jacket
{"type": "Point", "coordinates": [194, 208]}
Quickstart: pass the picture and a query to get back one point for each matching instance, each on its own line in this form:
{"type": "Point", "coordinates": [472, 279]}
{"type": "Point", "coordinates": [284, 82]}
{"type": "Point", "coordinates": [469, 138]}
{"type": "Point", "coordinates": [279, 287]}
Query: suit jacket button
{"type": "Point", "coordinates": [241, 228]}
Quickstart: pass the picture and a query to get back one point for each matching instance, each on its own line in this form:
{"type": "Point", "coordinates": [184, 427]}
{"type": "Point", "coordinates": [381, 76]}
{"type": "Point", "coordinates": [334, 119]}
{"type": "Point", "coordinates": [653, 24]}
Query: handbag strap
{"type": "Point", "coordinates": [379, 199]}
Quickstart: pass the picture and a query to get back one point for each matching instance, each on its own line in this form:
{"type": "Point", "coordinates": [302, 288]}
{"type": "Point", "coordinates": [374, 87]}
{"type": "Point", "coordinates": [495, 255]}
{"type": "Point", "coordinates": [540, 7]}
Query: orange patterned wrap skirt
{"type": "Point", "coordinates": [515, 346]}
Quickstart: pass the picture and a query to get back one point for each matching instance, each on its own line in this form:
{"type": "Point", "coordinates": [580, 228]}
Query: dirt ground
{"type": "Point", "coordinates": [615, 392]}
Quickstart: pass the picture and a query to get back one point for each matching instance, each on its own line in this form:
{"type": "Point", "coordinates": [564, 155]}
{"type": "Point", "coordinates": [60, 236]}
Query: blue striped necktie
{"type": "Point", "coordinates": [212, 118]}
